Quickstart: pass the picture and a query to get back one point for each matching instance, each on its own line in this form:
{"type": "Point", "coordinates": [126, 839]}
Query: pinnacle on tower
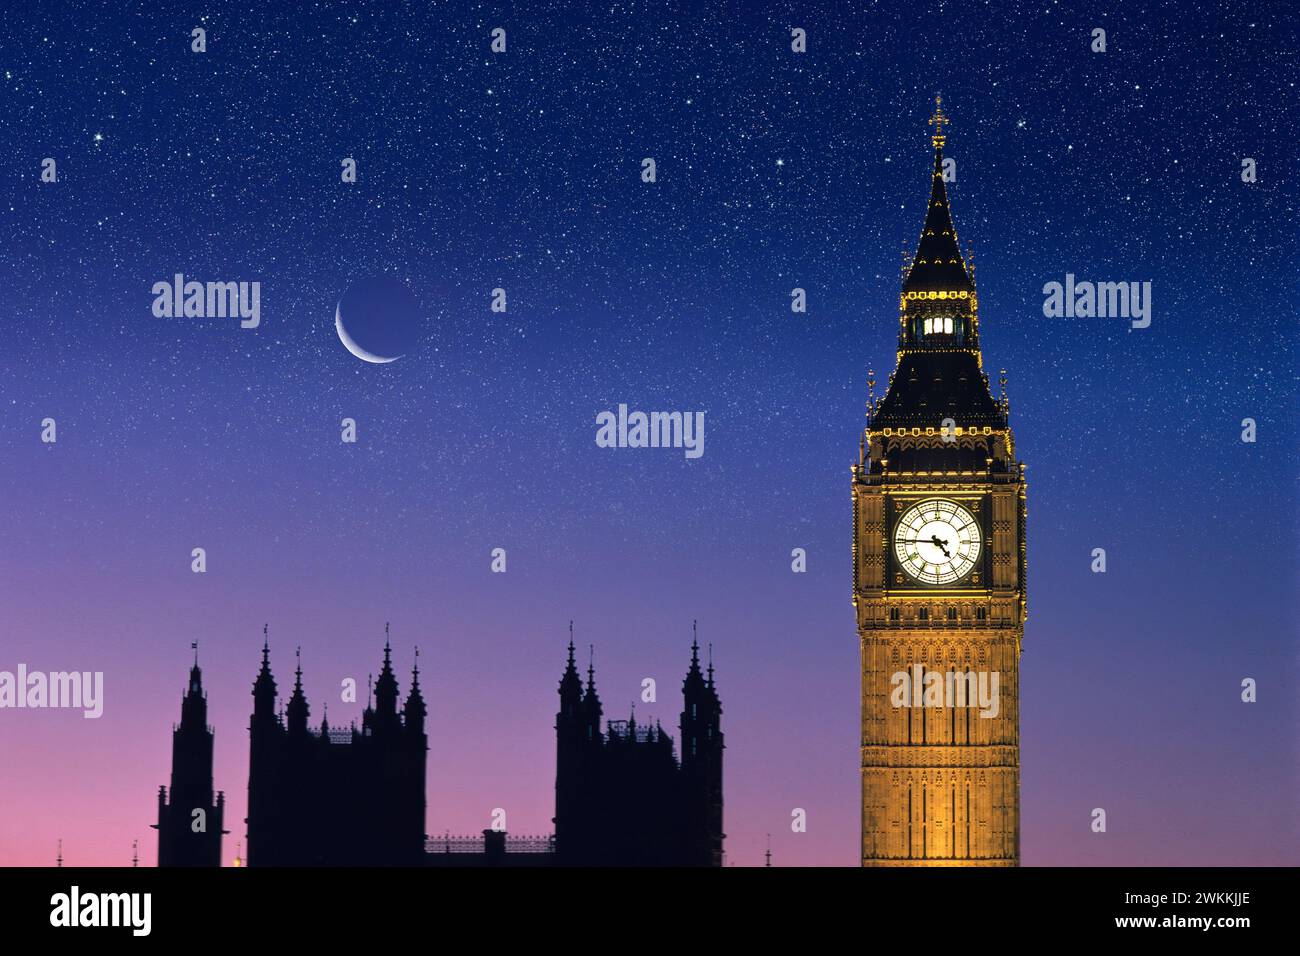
{"type": "Point", "coordinates": [297, 710]}
{"type": "Point", "coordinates": [939, 375]}
{"type": "Point", "coordinates": [414, 708]}
{"type": "Point", "coordinates": [264, 689]}
{"type": "Point", "coordinates": [570, 682]}
{"type": "Point", "coordinates": [590, 699]}
{"type": "Point", "coordinates": [938, 265]}
{"type": "Point", "coordinates": [937, 121]}
{"type": "Point", "coordinates": [386, 684]}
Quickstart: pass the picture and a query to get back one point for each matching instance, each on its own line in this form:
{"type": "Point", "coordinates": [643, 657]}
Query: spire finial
{"type": "Point", "coordinates": [194, 646]}
{"type": "Point", "coordinates": [937, 121]}
{"type": "Point", "coordinates": [297, 653]}
{"type": "Point", "coordinates": [871, 401]}
{"type": "Point", "coordinates": [416, 669]}
{"type": "Point", "coordinates": [591, 665]}
{"type": "Point", "coordinates": [266, 641]}
{"type": "Point", "coordinates": [135, 853]}
{"type": "Point", "coordinates": [385, 638]}
{"type": "Point", "coordinates": [58, 861]}
{"type": "Point", "coordinates": [710, 662]}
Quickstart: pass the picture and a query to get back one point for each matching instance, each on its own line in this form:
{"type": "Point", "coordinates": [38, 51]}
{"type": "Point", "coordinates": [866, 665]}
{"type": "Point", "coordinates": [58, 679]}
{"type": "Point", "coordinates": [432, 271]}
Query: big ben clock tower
{"type": "Point", "coordinates": [939, 579]}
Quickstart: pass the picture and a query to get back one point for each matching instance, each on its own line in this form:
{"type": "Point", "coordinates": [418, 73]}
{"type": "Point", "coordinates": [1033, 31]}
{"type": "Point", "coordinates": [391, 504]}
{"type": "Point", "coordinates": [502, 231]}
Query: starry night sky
{"type": "Point", "coordinates": [522, 171]}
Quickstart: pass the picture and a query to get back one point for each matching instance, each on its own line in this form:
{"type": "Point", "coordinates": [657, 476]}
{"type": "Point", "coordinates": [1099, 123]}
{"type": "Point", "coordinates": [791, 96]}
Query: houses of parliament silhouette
{"type": "Point", "coordinates": [356, 796]}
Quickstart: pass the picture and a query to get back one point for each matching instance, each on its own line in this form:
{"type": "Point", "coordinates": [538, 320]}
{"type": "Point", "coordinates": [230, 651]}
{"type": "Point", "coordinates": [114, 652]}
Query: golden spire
{"type": "Point", "coordinates": [937, 121]}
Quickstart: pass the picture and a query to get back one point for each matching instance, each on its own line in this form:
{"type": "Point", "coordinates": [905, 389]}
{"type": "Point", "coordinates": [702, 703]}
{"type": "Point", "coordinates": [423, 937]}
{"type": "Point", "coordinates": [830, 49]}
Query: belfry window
{"type": "Point", "coordinates": [937, 326]}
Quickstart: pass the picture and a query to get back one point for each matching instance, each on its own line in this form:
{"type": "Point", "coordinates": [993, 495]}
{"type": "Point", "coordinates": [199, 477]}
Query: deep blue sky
{"type": "Point", "coordinates": [521, 171]}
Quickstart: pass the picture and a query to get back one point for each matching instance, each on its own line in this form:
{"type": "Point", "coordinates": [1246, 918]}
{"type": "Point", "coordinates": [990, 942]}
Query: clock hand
{"type": "Point", "coordinates": [940, 543]}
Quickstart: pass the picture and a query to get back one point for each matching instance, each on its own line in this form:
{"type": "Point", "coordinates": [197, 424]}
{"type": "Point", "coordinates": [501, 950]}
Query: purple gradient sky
{"type": "Point", "coordinates": [478, 172]}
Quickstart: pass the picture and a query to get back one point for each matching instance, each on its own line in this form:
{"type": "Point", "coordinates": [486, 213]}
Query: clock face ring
{"type": "Point", "coordinates": [937, 541]}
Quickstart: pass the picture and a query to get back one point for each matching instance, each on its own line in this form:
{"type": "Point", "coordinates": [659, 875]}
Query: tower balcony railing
{"type": "Point", "coordinates": [459, 843]}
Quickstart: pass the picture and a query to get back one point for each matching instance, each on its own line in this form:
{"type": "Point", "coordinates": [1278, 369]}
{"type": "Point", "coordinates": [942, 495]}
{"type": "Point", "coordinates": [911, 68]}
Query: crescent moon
{"type": "Point", "coordinates": [350, 344]}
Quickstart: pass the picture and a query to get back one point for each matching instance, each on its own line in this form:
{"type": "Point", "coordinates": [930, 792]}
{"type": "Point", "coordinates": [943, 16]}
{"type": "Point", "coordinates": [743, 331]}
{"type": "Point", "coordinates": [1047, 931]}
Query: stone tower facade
{"type": "Point", "coordinates": [622, 798]}
{"type": "Point", "coordinates": [189, 818]}
{"type": "Point", "coordinates": [334, 796]}
{"type": "Point", "coordinates": [939, 578]}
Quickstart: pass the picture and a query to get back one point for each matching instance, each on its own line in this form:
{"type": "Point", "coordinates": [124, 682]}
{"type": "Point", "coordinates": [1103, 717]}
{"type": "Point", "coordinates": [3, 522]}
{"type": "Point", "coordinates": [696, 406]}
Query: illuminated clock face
{"type": "Point", "coordinates": [937, 541]}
